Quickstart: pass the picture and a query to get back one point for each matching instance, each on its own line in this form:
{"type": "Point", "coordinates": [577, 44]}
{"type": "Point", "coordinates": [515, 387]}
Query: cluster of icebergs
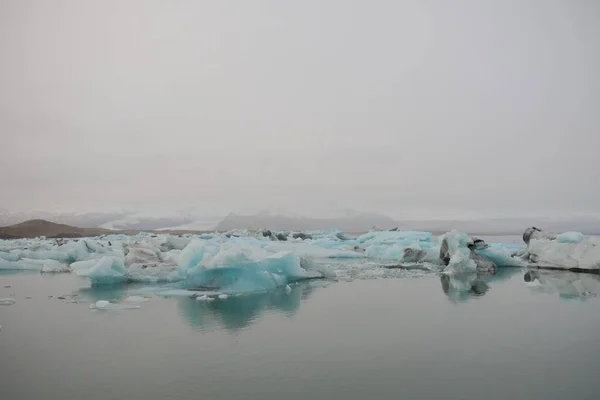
{"type": "Point", "coordinates": [250, 261]}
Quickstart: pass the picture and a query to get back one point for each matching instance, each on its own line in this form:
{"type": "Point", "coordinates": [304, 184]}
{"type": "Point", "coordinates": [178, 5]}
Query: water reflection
{"type": "Point", "coordinates": [92, 294]}
{"type": "Point", "coordinates": [461, 288]}
{"type": "Point", "coordinates": [12, 272]}
{"type": "Point", "coordinates": [568, 285]}
{"type": "Point", "coordinates": [236, 313]}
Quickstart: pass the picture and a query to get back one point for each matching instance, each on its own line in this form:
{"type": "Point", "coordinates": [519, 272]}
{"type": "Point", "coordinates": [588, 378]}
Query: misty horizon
{"type": "Point", "coordinates": [417, 109]}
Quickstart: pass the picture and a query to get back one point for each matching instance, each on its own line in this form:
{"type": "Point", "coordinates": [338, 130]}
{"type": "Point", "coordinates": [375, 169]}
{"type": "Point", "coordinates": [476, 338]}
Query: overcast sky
{"type": "Point", "coordinates": [406, 107]}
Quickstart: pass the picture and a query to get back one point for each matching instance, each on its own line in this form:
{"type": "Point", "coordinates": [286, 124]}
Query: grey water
{"type": "Point", "coordinates": [415, 337]}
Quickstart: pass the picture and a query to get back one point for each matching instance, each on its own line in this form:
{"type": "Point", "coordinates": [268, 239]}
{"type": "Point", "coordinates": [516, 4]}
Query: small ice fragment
{"type": "Point", "coordinates": [7, 286]}
{"type": "Point", "coordinates": [210, 299]}
{"type": "Point", "coordinates": [223, 297]}
{"type": "Point", "coordinates": [106, 305]}
{"type": "Point", "coordinates": [61, 298]}
{"type": "Point", "coordinates": [137, 299]}
{"type": "Point", "coordinates": [7, 302]}
{"type": "Point", "coordinates": [288, 289]}
{"type": "Point", "coordinates": [102, 304]}
{"type": "Point", "coordinates": [202, 298]}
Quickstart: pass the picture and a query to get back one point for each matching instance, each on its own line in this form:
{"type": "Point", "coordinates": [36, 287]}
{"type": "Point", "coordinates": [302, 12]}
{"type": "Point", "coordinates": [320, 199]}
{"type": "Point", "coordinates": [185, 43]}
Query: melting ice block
{"type": "Point", "coordinates": [106, 305]}
{"type": "Point", "coordinates": [243, 267]}
{"type": "Point", "coordinates": [7, 301]}
{"type": "Point", "coordinates": [584, 255]}
{"type": "Point", "coordinates": [136, 299]}
{"type": "Point", "coordinates": [455, 254]}
{"type": "Point", "coordinates": [106, 270]}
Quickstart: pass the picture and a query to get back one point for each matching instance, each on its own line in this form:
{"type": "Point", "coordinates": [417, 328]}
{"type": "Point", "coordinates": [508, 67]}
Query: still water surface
{"type": "Point", "coordinates": [392, 338]}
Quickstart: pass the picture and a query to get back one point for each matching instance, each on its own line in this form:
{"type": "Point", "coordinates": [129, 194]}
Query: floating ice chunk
{"type": "Point", "coordinates": [81, 250]}
{"type": "Point", "coordinates": [501, 256]}
{"type": "Point", "coordinates": [175, 243]}
{"type": "Point", "coordinates": [137, 299]}
{"type": "Point", "coordinates": [52, 266]}
{"type": "Point", "coordinates": [160, 272]}
{"type": "Point", "coordinates": [106, 270]}
{"type": "Point", "coordinates": [415, 252]}
{"type": "Point", "coordinates": [532, 233]}
{"type": "Point", "coordinates": [553, 254]}
{"type": "Point", "coordinates": [202, 298]}
{"type": "Point", "coordinates": [7, 301]}
{"type": "Point", "coordinates": [243, 267]}
{"type": "Point", "coordinates": [455, 254]}
{"type": "Point", "coordinates": [141, 254]}
{"type": "Point", "coordinates": [570, 237]}
{"type": "Point", "coordinates": [223, 296]}
{"type": "Point", "coordinates": [172, 257]}
{"type": "Point", "coordinates": [102, 304]}
{"type": "Point", "coordinates": [288, 289]}
{"type": "Point", "coordinates": [106, 305]}
{"type": "Point", "coordinates": [12, 256]}
{"type": "Point", "coordinates": [392, 237]}
{"type": "Point", "coordinates": [18, 265]}
{"type": "Point", "coordinates": [311, 250]}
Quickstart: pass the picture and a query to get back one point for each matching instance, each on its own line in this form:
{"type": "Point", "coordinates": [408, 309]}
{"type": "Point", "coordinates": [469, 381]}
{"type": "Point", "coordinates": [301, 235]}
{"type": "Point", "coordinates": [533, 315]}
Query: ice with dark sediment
{"type": "Point", "coordinates": [256, 260]}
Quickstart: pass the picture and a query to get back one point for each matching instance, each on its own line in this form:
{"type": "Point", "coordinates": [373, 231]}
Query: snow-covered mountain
{"type": "Point", "coordinates": [348, 222]}
{"type": "Point", "coordinates": [201, 219]}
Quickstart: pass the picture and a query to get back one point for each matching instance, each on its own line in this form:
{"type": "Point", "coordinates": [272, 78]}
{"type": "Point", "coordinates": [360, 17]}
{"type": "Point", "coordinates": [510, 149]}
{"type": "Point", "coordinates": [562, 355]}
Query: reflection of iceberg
{"type": "Point", "coordinates": [462, 287]}
{"type": "Point", "coordinates": [114, 293]}
{"type": "Point", "coordinates": [566, 284]}
{"type": "Point", "coordinates": [238, 312]}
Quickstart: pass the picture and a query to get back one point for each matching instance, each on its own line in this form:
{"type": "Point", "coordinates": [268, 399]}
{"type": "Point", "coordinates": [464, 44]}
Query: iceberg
{"type": "Point", "coordinates": [175, 243]}
{"type": "Point", "coordinates": [106, 270]}
{"type": "Point", "coordinates": [584, 255]}
{"type": "Point", "coordinates": [455, 253]}
{"type": "Point", "coordinates": [567, 251]}
{"type": "Point", "coordinates": [244, 261]}
{"type": "Point", "coordinates": [106, 305]}
{"type": "Point", "coordinates": [570, 237]}
{"type": "Point", "coordinates": [314, 251]}
{"type": "Point", "coordinates": [240, 268]}
{"type": "Point", "coordinates": [501, 255]}
{"type": "Point", "coordinates": [52, 266]}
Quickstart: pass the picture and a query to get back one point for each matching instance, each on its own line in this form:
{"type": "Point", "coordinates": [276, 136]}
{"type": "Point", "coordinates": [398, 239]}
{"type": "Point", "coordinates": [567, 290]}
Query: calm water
{"type": "Point", "coordinates": [416, 338]}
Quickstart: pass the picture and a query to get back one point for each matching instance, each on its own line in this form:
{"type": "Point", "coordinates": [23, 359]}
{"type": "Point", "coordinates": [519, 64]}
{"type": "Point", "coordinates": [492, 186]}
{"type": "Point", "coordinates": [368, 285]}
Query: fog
{"type": "Point", "coordinates": [414, 108]}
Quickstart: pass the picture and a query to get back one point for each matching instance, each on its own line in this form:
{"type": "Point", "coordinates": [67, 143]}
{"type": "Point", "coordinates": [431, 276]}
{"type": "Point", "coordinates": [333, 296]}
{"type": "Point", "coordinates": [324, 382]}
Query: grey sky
{"type": "Point", "coordinates": [488, 107]}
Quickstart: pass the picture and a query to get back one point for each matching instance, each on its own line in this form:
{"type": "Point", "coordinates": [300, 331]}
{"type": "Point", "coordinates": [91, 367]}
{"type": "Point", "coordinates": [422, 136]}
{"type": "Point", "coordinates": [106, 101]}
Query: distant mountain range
{"type": "Point", "coordinates": [124, 220]}
{"type": "Point", "coordinates": [358, 222]}
{"type": "Point", "coordinates": [349, 221]}
{"type": "Point", "coordinates": [82, 220]}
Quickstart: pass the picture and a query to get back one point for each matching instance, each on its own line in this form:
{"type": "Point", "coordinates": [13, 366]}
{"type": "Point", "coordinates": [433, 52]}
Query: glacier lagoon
{"type": "Point", "coordinates": [365, 331]}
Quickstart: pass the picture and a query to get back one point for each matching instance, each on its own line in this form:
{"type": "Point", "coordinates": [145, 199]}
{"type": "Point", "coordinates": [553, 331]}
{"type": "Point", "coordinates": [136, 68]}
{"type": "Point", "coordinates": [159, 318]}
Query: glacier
{"type": "Point", "coordinates": [246, 261]}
